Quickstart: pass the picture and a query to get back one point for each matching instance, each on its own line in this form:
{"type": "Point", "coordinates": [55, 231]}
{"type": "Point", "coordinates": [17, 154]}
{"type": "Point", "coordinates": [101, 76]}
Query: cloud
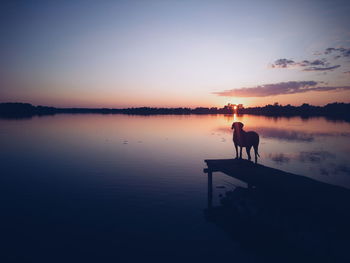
{"type": "Point", "coordinates": [341, 52]}
{"type": "Point", "coordinates": [283, 63]}
{"type": "Point", "coordinates": [347, 72]}
{"type": "Point", "coordinates": [316, 62]}
{"type": "Point", "coordinates": [305, 65]}
{"type": "Point", "coordinates": [321, 69]}
{"type": "Point", "coordinates": [282, 88]}
{"type": "Point", "coordinates": [331, 88]}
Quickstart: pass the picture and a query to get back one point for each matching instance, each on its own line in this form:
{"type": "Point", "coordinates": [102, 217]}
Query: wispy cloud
{"type": "Point", "coordinates": [316, 64]}
{"type": "Point", "coordinates": [283, 63]}
{"type": "Point", "coordinates": [305, 65]}
{"type": "Point", "coordinates": [340, 52]}
{"type": "Point", "coordinates": [282, 88]}
{"type": "Point", "coordinates": [321, 69]}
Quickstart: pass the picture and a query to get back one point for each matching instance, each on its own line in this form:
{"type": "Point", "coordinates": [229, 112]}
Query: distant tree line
{"type": "Point", "coordinates": [332, 110]}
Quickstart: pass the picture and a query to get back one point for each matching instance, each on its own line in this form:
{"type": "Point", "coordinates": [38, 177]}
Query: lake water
{"type": "Point", "coordinates": [118, 188]}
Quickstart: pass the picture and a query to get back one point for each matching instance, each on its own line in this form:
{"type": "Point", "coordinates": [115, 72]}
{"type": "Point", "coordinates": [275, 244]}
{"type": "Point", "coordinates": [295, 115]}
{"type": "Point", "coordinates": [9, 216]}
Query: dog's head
{"type": "Point", "coordinates": [237, 126]}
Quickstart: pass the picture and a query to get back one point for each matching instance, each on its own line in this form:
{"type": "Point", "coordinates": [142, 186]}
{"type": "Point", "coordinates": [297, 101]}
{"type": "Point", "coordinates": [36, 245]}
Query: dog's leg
{"type": "Point", "coordinates": [236, 150]}
{"type": "Point", "coordinates": [248, 152]}
{"type": "Point", "coordinates": [240, 152]}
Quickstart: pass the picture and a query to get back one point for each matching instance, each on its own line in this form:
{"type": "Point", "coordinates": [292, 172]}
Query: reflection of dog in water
{"type": "Point", "coordinates": [242, 139]}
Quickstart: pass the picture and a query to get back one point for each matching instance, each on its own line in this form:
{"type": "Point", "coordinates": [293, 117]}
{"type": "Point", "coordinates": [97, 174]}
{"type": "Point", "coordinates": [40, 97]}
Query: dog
{"type": "Point", "coordinates": [242, 139]}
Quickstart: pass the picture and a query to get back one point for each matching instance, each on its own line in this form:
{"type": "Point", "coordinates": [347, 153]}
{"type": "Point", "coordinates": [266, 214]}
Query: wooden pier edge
{"type": "Point", "coordinates": [283, 184]}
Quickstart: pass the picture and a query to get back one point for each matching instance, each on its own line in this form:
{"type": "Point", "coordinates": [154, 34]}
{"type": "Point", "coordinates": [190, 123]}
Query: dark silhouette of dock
{"type": "Point", "coordinates": [291, 186]}
{"type": "Point", "coordinates": [281, 216]}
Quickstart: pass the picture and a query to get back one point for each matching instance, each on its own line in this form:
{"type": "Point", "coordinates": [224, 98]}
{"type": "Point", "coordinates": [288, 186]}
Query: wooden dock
{"type": "Point", "coordinates": [298, 216]}
{"type": "Point", "coordinates": [281, 184]}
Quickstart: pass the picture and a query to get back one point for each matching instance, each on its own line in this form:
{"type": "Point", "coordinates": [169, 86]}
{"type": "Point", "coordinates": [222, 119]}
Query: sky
{"type": "Point", "coordinates": [174, 53]}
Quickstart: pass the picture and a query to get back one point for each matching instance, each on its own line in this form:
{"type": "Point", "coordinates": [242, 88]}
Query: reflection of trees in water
{"type": "Point", "coordinates": [281, 229]}
{"type": "Point", "coordinates": [315, 157]}
{"type": "Point", "coordinates": [304, 156]}
{"type": "Point", "coordinates": [335, 169]}
{"type": "Point", "coordinates": [285, 134]}
{"type": "Point", "coordinates": [289, 134]}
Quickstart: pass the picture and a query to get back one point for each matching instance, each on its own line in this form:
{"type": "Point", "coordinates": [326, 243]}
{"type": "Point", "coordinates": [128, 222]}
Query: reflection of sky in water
{"type": "Point", "coordinates": [150, 167]}
{"type": "Point", "coordinates": [313, 147]}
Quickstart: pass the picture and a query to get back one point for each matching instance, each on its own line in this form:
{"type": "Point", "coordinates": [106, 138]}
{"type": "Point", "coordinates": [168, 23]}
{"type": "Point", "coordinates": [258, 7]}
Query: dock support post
{"type": "Point", "coordinates": [210, 188]}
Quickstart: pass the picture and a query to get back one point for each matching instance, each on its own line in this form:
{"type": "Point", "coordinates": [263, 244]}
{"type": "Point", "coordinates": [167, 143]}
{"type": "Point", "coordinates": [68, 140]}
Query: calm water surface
{"type": "Point", "coordinates": [109, 188]}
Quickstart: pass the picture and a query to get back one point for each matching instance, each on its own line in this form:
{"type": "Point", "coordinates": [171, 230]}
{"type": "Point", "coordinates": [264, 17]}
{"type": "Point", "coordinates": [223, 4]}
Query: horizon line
{"type": "Point", "coordinates": [178, 107]}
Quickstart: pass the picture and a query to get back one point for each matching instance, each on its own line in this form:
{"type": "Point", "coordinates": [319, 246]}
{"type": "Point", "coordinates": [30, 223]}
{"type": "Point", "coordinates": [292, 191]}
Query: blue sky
{"type": "Point", "coordinates": [171, 53]}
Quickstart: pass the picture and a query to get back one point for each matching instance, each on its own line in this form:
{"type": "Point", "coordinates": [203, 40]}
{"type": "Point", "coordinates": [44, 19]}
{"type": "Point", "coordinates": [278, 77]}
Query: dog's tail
{"type": "Point", "coordinates": [256, 149]}
{"type": "Point", "coordinates": [256, 146]}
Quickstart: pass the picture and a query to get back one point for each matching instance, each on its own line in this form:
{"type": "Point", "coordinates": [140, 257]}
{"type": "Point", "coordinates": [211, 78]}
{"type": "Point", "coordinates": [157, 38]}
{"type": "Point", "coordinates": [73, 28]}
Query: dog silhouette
{"type": "Point", "coordinates": [247, 139]}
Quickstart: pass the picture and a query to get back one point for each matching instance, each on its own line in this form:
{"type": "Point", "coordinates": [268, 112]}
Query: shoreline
{"type": "Point", "coordinates": [333, 111]}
